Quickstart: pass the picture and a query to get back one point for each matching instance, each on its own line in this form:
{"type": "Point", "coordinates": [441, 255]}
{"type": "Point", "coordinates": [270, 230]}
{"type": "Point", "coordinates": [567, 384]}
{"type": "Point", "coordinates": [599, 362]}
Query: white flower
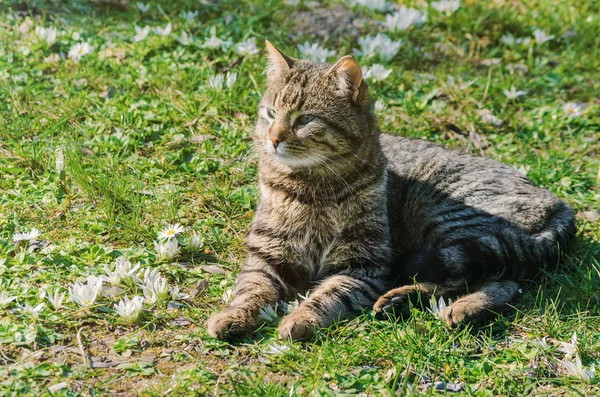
{"type": "Point", "coordinates": [447, 6]}
{"type": "Point", "coordinates": [60, 160]}
{"type": "Point", "coordinates": [276, 348]}
{"type": "Point", "coordinates": [189, 16]}
{"type": "Point", "coordinates": [33, 310]}
{"type": "Point", "coordinates": [5, 299]}
{"type": "Point", "coordinates": [130, 309]}
{"type": "Point", "coordinates": [216, 82]}
{"type": "Point", "coordinates": [150, 296]}
{"type": "Point", "coordinates": [488, 117]}
{"type": "Point", "coordinates": [85, 294]}
{"type": "Point", "coordinates": [184, 39]}
{"type": "Point", "coordinates": [315, 52]}
{"type": "Point", "coordinates": [46, 34]}
{"type": "Point", "coordinates": [376, 72]}
{"type": "Point", "coordinates": [541, 344]}
{"type": "Point", "coordinates": [26, 236]}
{"type": "Point", "coordinates": [168, 250]}
{"type": "Point", "coordinates": [152, 280]}
{"type": "Point", "coordinates": [523, 169]}
{"type": "Point", "coordinates": [573, 109]}
{"type": "Point", "coordinates": [227, 296]}
{"type": "Point", "coordinates": [513, 93]}
{"type": "Point", "coordinates": [124, 271]}
{"type": "Point", "coordinates": [141, 33]}
{"type": "Point", "coordinates": [268, 313]}
{"type": "Point", "coordinates": [195, 242]}
{"type": "Point", "coordinates": [380, 45]}
{"type": "Point", "coordinates": [80, 50]}
{"type": "Point", "coordinates": [379, 106]}
{"type": "Point", "coordinates": [404, 18]}
{"type": "Point", "coordinates": [176, 295]}
{"type": "Point", "coordinates": [375, 5]}
{"type": "Point", "coordinates": [215, 42]}
{"type": "Point", "coordinates": [570, 349]}
{"type": "Point", "coordinates": [289, 307]}
{"type": "Point", "coordinates": [437, 307]}
{"type": "Point", "coordinates": [576, 369]}
{"type": "Point", "coordinates": [163, 31]}
{"type": "Point", "coordinates": [170, 231]}
{"type": "Point", "coordinates": [247, 47]}
{"type": "Point", "coordinates": [541, 37]}
{"type": "Point", "coordinates": [509, 39]}
{"type": "Point", "coordinates": [143, 7]}
{"type": "Point", "coordinates": [231, 79]}
{"type": "Point", "coordinates": [56, 299]}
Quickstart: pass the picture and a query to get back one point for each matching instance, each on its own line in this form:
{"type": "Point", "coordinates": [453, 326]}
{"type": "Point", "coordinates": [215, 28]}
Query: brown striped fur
{"type": "Point", "coordinates": [351, 213]}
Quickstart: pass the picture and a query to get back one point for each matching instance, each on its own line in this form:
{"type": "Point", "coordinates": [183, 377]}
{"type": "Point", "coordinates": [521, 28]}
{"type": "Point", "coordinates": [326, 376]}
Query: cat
{"type": "Point", "coordinates": [352, 213]}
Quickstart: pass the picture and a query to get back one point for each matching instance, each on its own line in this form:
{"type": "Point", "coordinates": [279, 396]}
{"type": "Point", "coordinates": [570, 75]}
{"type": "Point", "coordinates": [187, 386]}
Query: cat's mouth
{"type": "Point", "coordinates": [285, 155]}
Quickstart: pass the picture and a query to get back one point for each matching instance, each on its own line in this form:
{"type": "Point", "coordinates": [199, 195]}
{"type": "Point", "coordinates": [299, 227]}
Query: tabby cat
{"type": "Point", "coordinates": [350, 213]}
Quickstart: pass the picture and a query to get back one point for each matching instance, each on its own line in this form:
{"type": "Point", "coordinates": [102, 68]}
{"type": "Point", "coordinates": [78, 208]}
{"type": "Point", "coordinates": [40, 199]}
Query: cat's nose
{"type": "Point", "coordinates": [277, 135]}
{"type": "Point", "coordinates": [276, 140]}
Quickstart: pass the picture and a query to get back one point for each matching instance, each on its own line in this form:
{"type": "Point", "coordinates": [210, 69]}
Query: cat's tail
{"type": "Point", "coordinates": [507, 253]}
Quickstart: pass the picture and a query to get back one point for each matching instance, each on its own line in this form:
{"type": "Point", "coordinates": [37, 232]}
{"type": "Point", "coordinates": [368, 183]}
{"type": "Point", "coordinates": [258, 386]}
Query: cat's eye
{"type": "Point", "coordinates": [305, 119]}
{"type": "Point", "coordinates": [271, 113]}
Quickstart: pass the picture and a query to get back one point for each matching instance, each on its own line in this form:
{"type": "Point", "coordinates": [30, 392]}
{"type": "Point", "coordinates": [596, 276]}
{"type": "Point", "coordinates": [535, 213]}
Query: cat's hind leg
{"type": "Point", "coordinates": [493, 295]}
{"type": "Point", "coordinates": [399, 300]}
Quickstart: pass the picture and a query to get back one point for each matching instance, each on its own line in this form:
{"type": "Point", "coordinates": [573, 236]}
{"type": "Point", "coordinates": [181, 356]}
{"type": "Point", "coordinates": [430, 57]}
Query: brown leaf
{"type": "Point", "coordinates": [213, 269]}
{"type": "Point", "coordinates": [199, 288]}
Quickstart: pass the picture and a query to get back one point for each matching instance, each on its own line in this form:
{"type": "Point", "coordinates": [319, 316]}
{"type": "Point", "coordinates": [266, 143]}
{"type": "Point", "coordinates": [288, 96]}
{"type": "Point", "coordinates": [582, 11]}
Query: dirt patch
{"type": "Point", "coordinates": [333, 22]}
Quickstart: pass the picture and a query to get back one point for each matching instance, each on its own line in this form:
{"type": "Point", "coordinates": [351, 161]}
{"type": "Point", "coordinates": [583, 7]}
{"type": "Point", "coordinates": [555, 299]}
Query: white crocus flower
{"type": "Point", "coordinates": [573, 109]}
{"type": "Point", "coordinates": [5, 299]}
{"type": "Point", "coordinates": [143, 7]}
{"type": "Point", "coordinates": [379, 106]}
{"type": "Point", "coordinates": [289, 307]}
{"type": "Point", "coordinates": [167, 250]}
{"type": "Point", "coordinates": [150, 296]}
{"type": "Point", "coordinates": [541, 37]}
{"type": "Point", "coordinates": [446, 6]}
{"type": "Point", "coordinates": [33, 310]}
{"type": "Point", "coordinates": [176, 295]}
{"type": "Point", "coordinates": [216, 82]}
{"type": "Point", "coordinates": [315, 52]}
{"type": "Point", "coordinates": [437, 306]}
{"type": "Point", "coordinates": [404, 18]}
{"type": "Point", "coordinates": [247, 47]}
{"type": "Point", "coordinates": [227, 296]}
{"type": "Point", "coordinates": [130, 309]}
{"type": "Point", "coordinates": [374, 5]}
{"type": "Point", "coordinates": [380, 45]}
{"type": "Point", "coordinates": [124, 271]}
{"type": "Point", "coordinates": [152, 280]}
{"type": "Point", "coordinates": [231, 79]}
{"type": "Point", "coordinates": [141, 33]}
{"type": "Point", "coordinates": [276, 348]}
{"type": "Point", "coordinates": [513, 93]}
{"type": "Point", "coordinates": [26, 236]}
{"type": "Point", "coordinates": [376, 72]}
{"type": "Point", "coordinates": [189, 16]}
{"type": "Point", "coordinates": [80, 50]}
{"type": "Point", "coordinates": [163, 31]}
{"type": "Point", "coordinates": [215, 42]}
{"type": "Point", "coordinates": [60, 160]}
{"type": "Point", "coordinates": [171, 231]}
{"type": "Point", "coordinates": [85, 294]}
{"type": "Point", "coordinates": [47, 34]}
{"type": "Point", "coordinates": [268, 313]}
{"type": "Point", "coordinates": [56, 299]}
{"type": "Point", "coordinates": [195, 242]}
{"type": "Point", "coordinates": [577, 369]}
{"type": "Point", "coordinates": [570, 349]}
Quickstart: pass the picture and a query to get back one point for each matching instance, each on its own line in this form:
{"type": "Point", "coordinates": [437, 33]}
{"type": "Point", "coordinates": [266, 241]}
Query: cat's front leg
{"type": "Point", "coordinates": [332, 300]}
{"type": "Point", "coordinates": [257, 285]}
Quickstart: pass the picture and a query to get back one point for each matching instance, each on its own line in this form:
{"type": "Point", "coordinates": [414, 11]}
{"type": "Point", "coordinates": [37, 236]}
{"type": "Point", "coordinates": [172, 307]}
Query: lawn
{"type": "Point", "coordinates": [111, 131]}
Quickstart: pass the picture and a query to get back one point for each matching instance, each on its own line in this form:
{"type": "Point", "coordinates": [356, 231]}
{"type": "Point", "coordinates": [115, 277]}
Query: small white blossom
{"type": "Point", "coordinates": [577, 369]}
{"type": "Point", "coordinates": [404, 18]}
{"type": "Point", "coordinates": [143, 7]}
{"type": "Point", "coordinates": [446, 6]}
{"type": "Point", "coordinates": [85, 294]}
{"type": "Point", "coordinates": [437, 306]}
{"type": "Point", "coordinates": [60, 160]}
{"type": "Point", "coordinates": [5, 299]}
{"type": "Point", "coordinates": [189, 16]}
{"type": "Point", "coordinates": [195, 242]}
{"type": "Point", "coordinates": [227, 296]}
{"type": "Point", "coordinates": [541, 344]}
{"type": "Point", "coordinates": [215, 42]}
{"type": "Point", "coordinates": [141, 33]}
{"type": "Point", "coordinates": [541, 37]}
{"type": "Point", "coordinates": [130, 309]}
{"type": "Point", "coordinates": [56, 299]}
{"type": "Point", "coordinates": [152, 280]}
{"type": "Point", "coordinates": [216, 82]}
{"type": "Point", "coordinates": [276, 348]}
{"type": "Point", "coordinates": [268, 313]}
{"type": "Point", "coordinates": [176, 295]}
{"type": "Point", "coordinates": [379, 106]}
{"type": "Point", "coordinates": [570, 349]}
{"type": "Point", "coordinates": [573, 109]}
{"type": "Point", "coordinates": [231, 79]}
{"type": "Point", "coordinates": [46, 34]}
{"type": "Point", "coordinates": [488, 117]}
{"type": "Point", "coordinates": [124, 271]}
{"type": "Point", "coordinates": [150, 296]}
{"type": "Point", "coordinates": [170, 231]}
{"type": "Point", "coordinates": [509, 39]}
{"type": "Point", "coordinates": [247, 47]}
{"type": "Point", "coordinates": [163, 31]}
{"type": "Point", "coordinates": [184, 39]}
{"type": "Point", "coordinates": [379, 45]}
{"type": "Point", "coordinates": [375, 5]}
{"type": "Point", "coordinates": [513, 93]}
{"type": "Point", "coordinates": [167, 250]}
{"type": "Point", "coordinates": [33, 310]}
{"type": "Point", "coordinates": [376, 72]}
{"type": "Point", "coordinates": [315, 52]}
{"type": "Point", "coordinates": [289, 307]}
{"type": "Point", "coordinates": [523, 169]}
{"type": "Point", "coordinates": [26, 236]}
{"type": "Point", "coordinates": [80, 50]}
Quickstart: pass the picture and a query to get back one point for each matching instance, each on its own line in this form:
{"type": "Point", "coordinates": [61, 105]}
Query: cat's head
{"type": "Point", "coordinates": [313, 113]}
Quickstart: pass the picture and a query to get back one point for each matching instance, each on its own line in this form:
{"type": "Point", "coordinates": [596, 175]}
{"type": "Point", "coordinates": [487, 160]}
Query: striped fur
{"type": "Point", "coordinates": [350, 213]}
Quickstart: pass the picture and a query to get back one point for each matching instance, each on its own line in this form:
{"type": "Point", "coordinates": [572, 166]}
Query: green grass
{"type": "Point", "coordinates": [147, 143]}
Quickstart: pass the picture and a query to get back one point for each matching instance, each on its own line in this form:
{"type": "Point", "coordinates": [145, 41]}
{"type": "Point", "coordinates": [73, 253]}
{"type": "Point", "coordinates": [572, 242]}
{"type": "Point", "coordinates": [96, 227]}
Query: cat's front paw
{"type": "Point", "coordinates": [231, 322]}
{"type": "Point", "coordinates": [299, 325]}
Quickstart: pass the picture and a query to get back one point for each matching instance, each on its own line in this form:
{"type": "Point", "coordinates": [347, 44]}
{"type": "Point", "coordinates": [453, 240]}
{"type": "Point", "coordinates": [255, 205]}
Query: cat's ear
{"type": "Point", "coordinates": [349, 75]}
{"type": "Point", "coordinates": [278, 61]}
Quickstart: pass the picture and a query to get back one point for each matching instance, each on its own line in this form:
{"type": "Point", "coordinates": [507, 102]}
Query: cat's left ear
{"type": "Point", "coordinates": [349, 75]}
